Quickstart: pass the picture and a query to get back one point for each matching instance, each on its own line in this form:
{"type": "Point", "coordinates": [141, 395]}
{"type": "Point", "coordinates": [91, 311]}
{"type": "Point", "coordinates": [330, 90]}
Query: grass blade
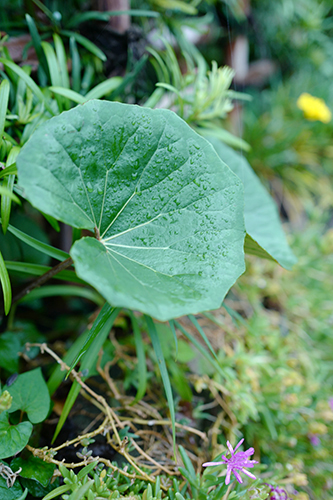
{"type": "Point", "coordinates": [104, 316]}
{"type": "Point", "coordinates": [164, 374]}
{"type": "Point", "coordinates": [64, 290]}
{"type": "Point", "coordinates": [140, 352]}
{"type": "Point", "coordinates": [4, 191]}
{"type": "Point", "coordinates": [37, 43]}
{"type": "Point", "coordinates": [53, 252]}
{"type": "Point", "coordinates": [104, 88]}
{"type": "Point", "coordinates": [98, 333]}
{"type": "Point", "coordinates": [70, 94]}
{"type": "Point", "coordinates": [6, 287]}
{"type": "Point", "coordinates": [54, 70]}
{"type": "Point", "coordinates": [62, 60]}
{"type": "Point", "coordinates": [38, 270]}
{"type": "Point", "coordinates": [172, 326]}
{"type": "Point", "coordinates": [76, 65]}
{"type": "Point", "coordinates": [28, 80]}
{"type": "Point", "coordinates": [87, 44]}
{"type": "Point", "coordinates": [4, 96]}
{"type": "Point", "coordinates": [8, 183]}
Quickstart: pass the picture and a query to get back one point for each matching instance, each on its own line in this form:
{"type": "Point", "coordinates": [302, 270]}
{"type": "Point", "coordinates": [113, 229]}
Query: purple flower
{"type": "Point", "coordinates": [277, 493]}
{"type": "Point", "coordinates": [236, 463]}
{"type": "Point", "coordinates": [314, 439]}
{"type": "Point", "coordinates": [330, 402]}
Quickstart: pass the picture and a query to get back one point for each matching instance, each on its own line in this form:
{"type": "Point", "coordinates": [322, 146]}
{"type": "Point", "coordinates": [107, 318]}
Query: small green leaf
{"type": "Point", "coordinates": [30, 394]}
{"type": "Point", "coordinates": [34, 468]}
{"type": "Point", "coordinates": [76, 65]}
{"type": "Point", "coordinates": [13, 438]}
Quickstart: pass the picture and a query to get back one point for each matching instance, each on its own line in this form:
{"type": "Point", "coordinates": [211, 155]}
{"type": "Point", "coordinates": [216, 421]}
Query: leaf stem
{"type": "Point", "coordinates": [43, 279]}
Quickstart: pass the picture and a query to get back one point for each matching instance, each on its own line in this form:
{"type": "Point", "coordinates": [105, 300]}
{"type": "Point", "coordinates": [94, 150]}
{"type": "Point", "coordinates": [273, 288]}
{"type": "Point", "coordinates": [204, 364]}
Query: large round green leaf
{"type": "Point", "coordinates": [167, 212]}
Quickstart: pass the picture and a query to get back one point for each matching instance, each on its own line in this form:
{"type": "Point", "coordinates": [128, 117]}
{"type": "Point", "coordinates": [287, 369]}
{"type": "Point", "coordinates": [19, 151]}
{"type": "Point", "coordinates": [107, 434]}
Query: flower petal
{"type": "Point", "coordinates": [230, 448]}
{"type": "Point", "coordinates": [248, 474]}
{"type": "Point", "coordinates": [209, 464]}
{"type": "Point", "coordinates": [227, 479]}
{"type": "Point", "coordinates": [240, 442]}
{"type": "Point", "coordinates": [237, 476]}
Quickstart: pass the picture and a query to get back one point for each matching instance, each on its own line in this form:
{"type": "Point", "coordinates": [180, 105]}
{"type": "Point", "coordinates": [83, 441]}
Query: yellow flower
{"type": "Point", "coordinates": [314, 108]}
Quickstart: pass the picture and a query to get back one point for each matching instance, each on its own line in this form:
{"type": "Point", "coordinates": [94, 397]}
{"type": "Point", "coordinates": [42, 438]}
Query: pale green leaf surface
{"type": "Point", "coordinates": [262, 220]}
{"type": "Point", "coordinates": [168, 211]}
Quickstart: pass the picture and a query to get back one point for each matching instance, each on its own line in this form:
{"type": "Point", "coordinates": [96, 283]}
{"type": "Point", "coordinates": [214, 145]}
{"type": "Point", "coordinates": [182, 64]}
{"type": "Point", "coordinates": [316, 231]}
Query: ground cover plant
{"type": "Point", "coordinates": [124, 229]}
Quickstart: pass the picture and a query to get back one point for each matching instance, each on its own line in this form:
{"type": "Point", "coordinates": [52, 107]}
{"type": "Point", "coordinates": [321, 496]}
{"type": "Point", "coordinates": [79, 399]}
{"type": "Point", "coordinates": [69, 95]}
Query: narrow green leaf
{"type": "Point", "coordinates": [52, 221]}
{"type": "Point", "coordinates": [37, 43]}
{"type": "Point", "coordinates": [104, 88]}
{"type": "Point", "coordinates": [172, 326]}
{"type": "Point", "coordinates": [38, 245]}
{"type": "Point", "coordinates": [203, 335]}
{"type": "Point", "coordinates": [4, 96]}
{"type": "Point", "coordinates": [64, 290]}
{"type": "Point", "coordinates": [62, 60]}
{"type": "Point", "coordinates": [54, 70]}
{"type": "Point", "coordinates": [164, 374]}
{"type": "Point", "coordinates": [87, 44]}
{"type": "Point", "coordinates": [97, 336]}
{"type": "Point", "coordinates": [10, 170]}
{"type": "Point", "coordinates": [70, 94]}
{"type": "Point", "coordinates": [102, 319]}
{"type": "Point", "coordinates": [154, 98]}
{"type": "Point", "coordinates": [29, 81]}
{"type": "Point", "coordinates": [8, 183]}
{"type": "Point", "coordinates": [140, 352]}
{"type": "Point", "coordinates": [38, 270]}
{"type": "Point", "coordinates": [187, 463]}
{"type": "Point", "coordinates": [4, 191]}
{"type": "Point", "coordinates": [76, 65]}
{"type": "Point", "coordinates": [57, 492]}
{"type": "Point", "coordinates": [6, 287]}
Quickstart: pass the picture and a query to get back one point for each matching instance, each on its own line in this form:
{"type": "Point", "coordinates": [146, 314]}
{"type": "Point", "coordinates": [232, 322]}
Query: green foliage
{"type": "Point", "coordinates": [136, 261]}
{"type": "Point", "coordinates": [30, 395]}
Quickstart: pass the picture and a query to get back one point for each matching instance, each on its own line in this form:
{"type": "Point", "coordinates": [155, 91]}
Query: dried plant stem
{"type": "Point", "coordinates": [111, 421]}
